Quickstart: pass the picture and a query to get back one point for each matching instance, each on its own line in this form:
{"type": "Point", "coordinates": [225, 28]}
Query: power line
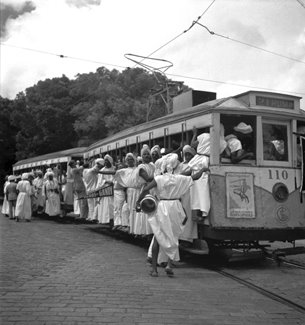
{"type": "Point", "coordinates": [250, 45]}
{"type": "Point", "coordinates": [301, 3]}
{"type": "Point", "coordinates": [234, 84]}
{"type": "Point", "coordinates": [185, 31]}
{"type": "Point", "coordinates": [174, 75]}
{"type": "Point", "coordinates": [62, 56]}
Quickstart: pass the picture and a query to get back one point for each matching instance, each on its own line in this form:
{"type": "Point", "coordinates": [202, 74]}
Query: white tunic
{"type": "Point", "coordinates": [200, 193]}
{"type": "Point", "coordinates": [105, 207]}
{"type": "Point", "coordinates": [90, 177]}
{"type": "Point", "coordinates": [129, 178]}
{"type": "Point", "coordinates": [190, 230]}
{"type": "Point", "coordinates": [166, 222]}
{"type": "Point", "coordinates": [5, 206]}
{"type": "Point", "coordinates": [23, 204]}
{"type": "Point", "coordinates": [52, 198]}
{"type": "Point", "coordinates": [141, 224]}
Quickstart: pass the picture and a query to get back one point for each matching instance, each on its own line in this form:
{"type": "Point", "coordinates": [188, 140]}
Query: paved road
{"type": "Point", "coordinates": [54, 273]}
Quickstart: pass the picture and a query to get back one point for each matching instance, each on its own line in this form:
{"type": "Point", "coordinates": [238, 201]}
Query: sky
{"type": "Point", "coordinates": [94, 33]}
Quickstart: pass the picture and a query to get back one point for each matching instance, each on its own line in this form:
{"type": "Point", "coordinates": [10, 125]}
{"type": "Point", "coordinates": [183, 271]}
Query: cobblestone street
{"type": "Point", "coordinates": [53, 273]}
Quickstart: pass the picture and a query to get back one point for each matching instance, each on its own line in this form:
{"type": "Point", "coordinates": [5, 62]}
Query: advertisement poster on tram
{"type": "Point", "coordinates": [240, 195]}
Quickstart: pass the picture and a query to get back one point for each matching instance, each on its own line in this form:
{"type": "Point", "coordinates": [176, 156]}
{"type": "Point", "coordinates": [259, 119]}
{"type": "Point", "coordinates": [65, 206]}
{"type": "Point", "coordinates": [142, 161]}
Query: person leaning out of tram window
{"type": "Point", "coordinates": [11, 195]}
{"type": "Point", "coordinates": [234, 141]}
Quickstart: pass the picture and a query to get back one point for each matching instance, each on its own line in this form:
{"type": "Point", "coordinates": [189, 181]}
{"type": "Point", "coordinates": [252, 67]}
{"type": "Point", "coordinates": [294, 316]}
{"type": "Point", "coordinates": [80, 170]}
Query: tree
{"type": "Point", "coordinates": [7, 138]}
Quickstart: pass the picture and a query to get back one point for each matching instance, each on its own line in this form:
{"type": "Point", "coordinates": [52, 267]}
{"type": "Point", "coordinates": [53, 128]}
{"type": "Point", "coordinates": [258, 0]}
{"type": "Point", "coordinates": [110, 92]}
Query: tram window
{"type": "Point", "coordinates": [231, 124]}
{"type": "Point", "coordinates": [275, 142]}
{"type": "Point", "coordinates": [301, 133]}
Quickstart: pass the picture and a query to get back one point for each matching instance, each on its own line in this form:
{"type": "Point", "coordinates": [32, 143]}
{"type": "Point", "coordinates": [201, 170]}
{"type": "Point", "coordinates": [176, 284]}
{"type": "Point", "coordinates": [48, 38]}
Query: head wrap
{"type": "Point", "coordinates": [145, 148]}
{"type": "Point", "coordinates": [131, 155]}
{"type": "Point", "coordinates": [99, 161]}
{"type": "Point", "coordinates": [109, 158]}
{"type": "Point", "coordinates": [155, 148]}
{"type": "Point", "coordinates": [243, 128]}
{"type": "Point", "coordinates": [169, 163]}
{"type": "Point", "coordinates": [11, 178]}
{"type": "Point", "coordinates": [189, 149]}
{"type": "Point", "coordinates": [24, 176]}
{"type": "Point", "coordinates": [50, 174]}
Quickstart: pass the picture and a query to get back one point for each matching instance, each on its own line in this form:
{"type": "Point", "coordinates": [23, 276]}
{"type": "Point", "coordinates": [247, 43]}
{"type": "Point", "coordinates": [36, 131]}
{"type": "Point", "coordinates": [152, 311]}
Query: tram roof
{"type": "Point", "coordinates": [159, 121]}
{"type": "Point", "coordinates": [236, 102]}
{"type": "Point", "coordinates": [50, 158]}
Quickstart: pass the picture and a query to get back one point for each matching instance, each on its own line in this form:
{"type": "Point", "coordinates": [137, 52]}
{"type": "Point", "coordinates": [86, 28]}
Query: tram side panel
{"type": "Point", "coordinates": [243, 206]}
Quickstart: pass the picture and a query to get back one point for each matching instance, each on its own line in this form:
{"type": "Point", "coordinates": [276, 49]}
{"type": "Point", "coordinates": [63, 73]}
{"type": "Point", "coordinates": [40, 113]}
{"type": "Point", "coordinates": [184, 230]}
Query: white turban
{"type": "Point", "coordinates": [144, 149]}
{"type": "Point", "coordinates": [131, 155]}
{"type": "Point", "coordinates": [24, 176]}
{"type": "Point", "coordinates": [109, 158]}
{"type": "Point", "coordinates": [11, 178]}
{"type": "Point", "coordinates": [99, 161]}
{"type": "Point", "coordinates": [170, 162]}
{"type": "Point", "coordinates": [49, 174]}
{"type": "Point", "coordinates": [189, 149]}
{"type": "Point", "coordinates": [155, 148]}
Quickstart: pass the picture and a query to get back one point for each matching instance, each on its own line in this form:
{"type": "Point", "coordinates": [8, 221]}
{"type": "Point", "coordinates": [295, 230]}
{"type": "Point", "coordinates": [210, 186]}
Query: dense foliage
{"type": "Point", "coordinates": [57, 114]}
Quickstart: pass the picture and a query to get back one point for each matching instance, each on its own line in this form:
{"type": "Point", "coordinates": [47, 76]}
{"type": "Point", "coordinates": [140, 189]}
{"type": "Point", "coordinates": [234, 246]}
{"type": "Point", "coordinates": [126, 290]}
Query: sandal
{"type": "Point", "coordinates": [169, 272]}
{"type": "Point", "coordinates": [153, 273]}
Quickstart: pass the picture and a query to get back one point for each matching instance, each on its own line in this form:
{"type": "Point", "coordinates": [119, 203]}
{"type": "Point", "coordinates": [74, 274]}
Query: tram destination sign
{"type": "Point", "coordinates": [274, 102]}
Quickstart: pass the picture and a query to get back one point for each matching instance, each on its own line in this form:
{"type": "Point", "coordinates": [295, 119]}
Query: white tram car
{"type": "Point", "coordinates": [254, 200]}
{"type": "Point", "coordinates": [258, 199]}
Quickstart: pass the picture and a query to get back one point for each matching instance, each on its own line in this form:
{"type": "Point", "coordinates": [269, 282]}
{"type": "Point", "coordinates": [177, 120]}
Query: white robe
{"type": "Point", "coordinates": [90, 177]}
{"type": "Point", "coordinates": [39, 198]}
{"type": "Point", "coordinates": [200, 192]}
{"type": "Point", "coordinates": [190, 230]}
{"type": "Point", "coordinates": [105, 207]}
{"type": "Point", "coordinates": [129, 178]}
{"type": "Point", "coordinates": [141, 225]}
{"type": "Point", "coordinates": [5, 206]}
{"type": "Point", "coordinates": [23, 204]}
{"type": "Point", "coordinates": [52, 198]}
{"type": "Point", "coordinates": [167, 221]}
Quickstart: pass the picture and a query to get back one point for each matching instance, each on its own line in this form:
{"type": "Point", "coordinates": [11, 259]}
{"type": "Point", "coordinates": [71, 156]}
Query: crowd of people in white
{"type": "Point", "coordinates": [179, 185]}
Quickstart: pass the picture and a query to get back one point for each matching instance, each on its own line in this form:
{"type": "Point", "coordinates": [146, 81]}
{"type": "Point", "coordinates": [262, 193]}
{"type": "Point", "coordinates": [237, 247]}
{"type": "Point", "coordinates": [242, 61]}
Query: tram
{"type": "Point", "coordinates": [58, 159]}
{"type": "Point", "coordinates": [257, 199]}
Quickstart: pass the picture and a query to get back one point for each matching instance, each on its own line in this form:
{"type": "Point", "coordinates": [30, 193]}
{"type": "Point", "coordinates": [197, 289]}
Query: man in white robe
{"type": "Point", "coordinates": [91, 177]}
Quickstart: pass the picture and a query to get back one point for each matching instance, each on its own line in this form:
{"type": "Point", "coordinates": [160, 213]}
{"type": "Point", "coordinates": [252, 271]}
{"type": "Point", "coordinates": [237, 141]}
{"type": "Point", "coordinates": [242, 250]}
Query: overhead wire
{"type": "Point", "coordinates": [62, 56]}
{"type": "Point", "coordinates": [173, 39]}
{"type": "Point", "coordinates": [301, 3]}
{"type": "Point", "coordinates": [247, 44]}
{"type": "Point", "coordinates": [174, 75]}
{"type": "Point", "coordinates": [235, 84]}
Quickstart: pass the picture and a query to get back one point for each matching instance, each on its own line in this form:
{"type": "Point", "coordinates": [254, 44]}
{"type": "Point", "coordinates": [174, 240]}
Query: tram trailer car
{"type": "Point", "coordinates": [258, 199]}
{"type": "Point", "coordinates": [58, 158]}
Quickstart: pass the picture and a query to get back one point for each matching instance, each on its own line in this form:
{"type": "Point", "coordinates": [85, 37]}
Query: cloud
{"type": "Point", "coordinates": [83, 3]}
{"type": "Point", "coordinates": [13, 11]}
